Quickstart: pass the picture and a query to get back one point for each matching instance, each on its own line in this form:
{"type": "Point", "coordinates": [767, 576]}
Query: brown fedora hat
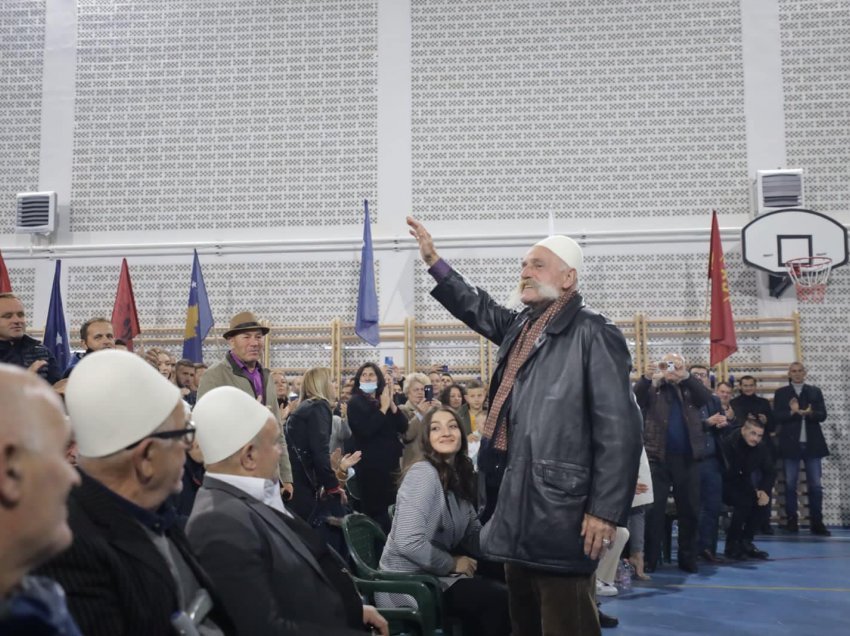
{"type": "Point", "coordinates": [244, 321]}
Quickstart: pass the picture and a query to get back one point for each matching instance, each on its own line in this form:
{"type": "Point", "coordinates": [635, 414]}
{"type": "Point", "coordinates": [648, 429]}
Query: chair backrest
{"type": "Point", "coordinates": [365, 541]}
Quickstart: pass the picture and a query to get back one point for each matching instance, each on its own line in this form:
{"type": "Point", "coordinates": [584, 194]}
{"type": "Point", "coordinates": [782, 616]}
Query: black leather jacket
{"type": "Point", "coordinates": [575, 430]}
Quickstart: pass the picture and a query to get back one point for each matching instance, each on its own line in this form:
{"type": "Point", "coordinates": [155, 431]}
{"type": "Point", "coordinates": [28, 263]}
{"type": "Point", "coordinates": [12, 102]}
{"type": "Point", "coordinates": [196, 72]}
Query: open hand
{"type": "Point", "coordinates": [597, 534]}
{"type": "Point", "coordinates": [426, 243]}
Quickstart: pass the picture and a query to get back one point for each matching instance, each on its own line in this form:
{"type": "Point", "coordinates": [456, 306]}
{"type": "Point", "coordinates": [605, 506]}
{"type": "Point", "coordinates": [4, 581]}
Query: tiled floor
{"type": "Point", "coordinates": [803, 590]}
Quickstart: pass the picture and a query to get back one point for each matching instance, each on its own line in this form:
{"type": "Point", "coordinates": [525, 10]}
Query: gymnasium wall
{"type": "Point", "coordinates": [256, 128]}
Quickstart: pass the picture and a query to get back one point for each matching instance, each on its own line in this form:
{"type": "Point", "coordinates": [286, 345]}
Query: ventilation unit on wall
{"type": "Point", "coordinates": [778, 190]}
{"type": "Point", "coordinates": [36, 213]}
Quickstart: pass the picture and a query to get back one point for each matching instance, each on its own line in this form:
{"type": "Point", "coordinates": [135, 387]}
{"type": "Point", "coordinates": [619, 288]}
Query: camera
{"type": "Point", "coordinates": [429, 392]}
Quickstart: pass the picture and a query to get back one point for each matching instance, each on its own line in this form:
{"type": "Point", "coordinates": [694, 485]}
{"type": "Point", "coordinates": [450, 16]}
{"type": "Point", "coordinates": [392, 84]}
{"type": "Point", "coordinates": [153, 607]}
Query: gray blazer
{"type": "Point", "coordinates": [267, 578]}
{"type": "Point", "coordinates": [428, 527]}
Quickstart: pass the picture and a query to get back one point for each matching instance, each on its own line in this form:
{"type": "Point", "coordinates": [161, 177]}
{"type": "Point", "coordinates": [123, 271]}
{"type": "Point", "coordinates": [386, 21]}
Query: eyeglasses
{"type": "Point", "coordinates": [699, 374]}
{"type": "Point", "coordinates": [185, 435]}
{"type": "Point", "coordinates": [670, 366]}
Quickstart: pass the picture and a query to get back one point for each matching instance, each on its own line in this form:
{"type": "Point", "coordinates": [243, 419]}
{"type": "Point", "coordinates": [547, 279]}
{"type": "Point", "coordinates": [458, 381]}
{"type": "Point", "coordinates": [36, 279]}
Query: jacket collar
{"type": "Point", "coordinates": [272, 518]}
{"type": "Point", "coordinates": [121, 528]}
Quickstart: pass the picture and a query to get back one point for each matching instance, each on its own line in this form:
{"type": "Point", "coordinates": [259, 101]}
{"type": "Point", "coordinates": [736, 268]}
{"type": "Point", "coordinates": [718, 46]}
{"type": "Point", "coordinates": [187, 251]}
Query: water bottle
{"type": "Point", "coordinates": [625, 576]}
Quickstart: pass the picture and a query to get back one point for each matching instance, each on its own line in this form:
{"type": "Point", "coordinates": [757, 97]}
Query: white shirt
{"type": "Point", "coordinates": [263, 490]}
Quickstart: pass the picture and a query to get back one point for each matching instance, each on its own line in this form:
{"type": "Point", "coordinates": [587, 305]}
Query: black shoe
{"type": "Point", "coordinates": [792, 526]}
{"type": "Point", "coordinates": [820, 529]}
{"type": "Point", "coordinates": [754, 553]}
{"type": "Point", "coordinates": [607, 621]}
{"type": "Point", "coordinates": [735, 552]}
{"type": "Point", "coordinates": [768, 529]}
{"type": "Point", "coordinates": [689, 565]}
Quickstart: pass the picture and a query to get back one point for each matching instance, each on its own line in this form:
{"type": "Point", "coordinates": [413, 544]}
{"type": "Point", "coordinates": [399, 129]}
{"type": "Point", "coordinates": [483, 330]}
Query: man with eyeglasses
{"type": "Point", "coordinates": [130, 570]}
{"type": "Point", "coordinates": [671, 399]}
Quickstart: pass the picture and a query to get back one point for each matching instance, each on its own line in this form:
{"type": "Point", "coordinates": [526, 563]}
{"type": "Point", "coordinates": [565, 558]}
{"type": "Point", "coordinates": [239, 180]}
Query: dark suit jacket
{"type": "Point", "coordinates": [269, 580]}
{"type": "Point", "coordinates": [790, 424]}
{"type": "Point", "coordinates": [117, 582]}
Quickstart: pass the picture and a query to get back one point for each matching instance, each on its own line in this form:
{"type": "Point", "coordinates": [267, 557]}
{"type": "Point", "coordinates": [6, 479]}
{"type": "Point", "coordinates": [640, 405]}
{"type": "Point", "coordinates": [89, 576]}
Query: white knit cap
{"type": "Point", "coordinates": [566, 249]}
{"type": "Point", "coordinates": [226, 419]}
{"type": "Point", "coordinates": [115, 399]}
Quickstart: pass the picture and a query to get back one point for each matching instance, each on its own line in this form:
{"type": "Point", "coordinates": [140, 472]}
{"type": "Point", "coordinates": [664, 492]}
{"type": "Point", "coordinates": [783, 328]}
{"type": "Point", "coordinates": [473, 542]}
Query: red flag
{"type": "Point", "coordinates": [125, 320]}
{"type": "Point", "coordinates": [5, 283]}
{"type": "Point", "coordinates": [723, 341]}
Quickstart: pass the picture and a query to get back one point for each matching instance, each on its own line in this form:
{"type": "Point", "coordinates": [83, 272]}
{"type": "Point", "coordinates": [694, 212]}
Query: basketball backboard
{"type": "Point", "coordinates": [770, 240]}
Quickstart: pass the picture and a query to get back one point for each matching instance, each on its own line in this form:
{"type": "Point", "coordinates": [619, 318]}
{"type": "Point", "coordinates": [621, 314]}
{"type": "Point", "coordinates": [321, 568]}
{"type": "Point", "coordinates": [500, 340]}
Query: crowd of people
{"type": "Point", "coordinates": [147, 495]}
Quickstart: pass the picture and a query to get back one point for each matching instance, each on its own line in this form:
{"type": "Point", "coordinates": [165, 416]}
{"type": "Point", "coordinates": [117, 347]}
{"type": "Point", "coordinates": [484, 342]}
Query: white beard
{"type": "Point", "coordinates": [547, 292]}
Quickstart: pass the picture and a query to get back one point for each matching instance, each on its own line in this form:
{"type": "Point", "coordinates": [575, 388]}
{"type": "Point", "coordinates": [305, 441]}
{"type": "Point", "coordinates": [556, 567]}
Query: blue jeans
{"type": "Point", "coordinates": [710, 495]}
{"type": "Point", "coordinates": [813, 480]}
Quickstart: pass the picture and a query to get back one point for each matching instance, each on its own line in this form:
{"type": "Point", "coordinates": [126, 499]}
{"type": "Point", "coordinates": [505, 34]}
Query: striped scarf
{"type": "Point", "coordinates": [495, 432]}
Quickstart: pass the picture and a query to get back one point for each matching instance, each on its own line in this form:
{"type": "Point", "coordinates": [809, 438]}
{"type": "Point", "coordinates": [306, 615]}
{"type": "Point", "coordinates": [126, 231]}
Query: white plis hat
{"type": "Point", "coordinates": [566, 249]}
{"type": "Point", "coordinates": [115, 399]}
{"type": "Point", "coordinates": [226, 419]}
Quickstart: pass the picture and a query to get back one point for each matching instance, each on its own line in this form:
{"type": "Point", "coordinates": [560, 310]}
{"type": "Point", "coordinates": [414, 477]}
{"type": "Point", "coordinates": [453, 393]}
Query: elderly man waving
{"type": "Point", "coordinates": [562, 441]}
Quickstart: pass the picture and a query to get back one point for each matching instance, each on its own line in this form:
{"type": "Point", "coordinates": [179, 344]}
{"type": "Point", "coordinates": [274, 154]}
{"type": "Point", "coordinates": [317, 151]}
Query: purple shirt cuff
{"type": "Point", "coordinates": [440, 270]}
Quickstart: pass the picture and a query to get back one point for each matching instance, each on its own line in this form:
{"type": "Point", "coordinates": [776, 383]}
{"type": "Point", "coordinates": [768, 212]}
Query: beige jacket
{"type": "Point", "coordinates": [228, 373]}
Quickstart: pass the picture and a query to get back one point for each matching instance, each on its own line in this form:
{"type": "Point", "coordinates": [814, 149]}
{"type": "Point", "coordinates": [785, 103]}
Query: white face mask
{"type": "Point", "coordinates": [368, 387]}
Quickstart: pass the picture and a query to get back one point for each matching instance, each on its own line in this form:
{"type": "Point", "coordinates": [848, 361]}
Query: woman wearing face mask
{"type": "Point", "coordinates": [376, 425]}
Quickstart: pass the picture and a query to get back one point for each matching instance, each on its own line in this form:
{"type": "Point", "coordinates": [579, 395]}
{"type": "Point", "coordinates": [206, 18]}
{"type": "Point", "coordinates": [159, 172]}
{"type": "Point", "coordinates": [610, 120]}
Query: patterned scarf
{"type": "Point", "coordinates": [494, 432]}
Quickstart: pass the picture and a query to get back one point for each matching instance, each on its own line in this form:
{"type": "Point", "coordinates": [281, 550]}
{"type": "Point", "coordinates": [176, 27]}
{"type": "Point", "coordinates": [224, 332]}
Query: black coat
{"type": "Point", "coordinates": [308, 434]}
{"type": "Point", "coordinates": [790, 424]}
{"type": "Point", "coordinates": [745, 405]}
{"type": "Point", "coordinates": [23, 352]}
{"type": "Point", "coordinates": [270, 581]}
{"type": "Point", "coordinates": [655, 401]}
{"type": "Point", "coordinates": [740, 462]}
{"type": "Point", "coordinates": [117, 582]}
{"type": "Point", "coordinates": [574, 436]}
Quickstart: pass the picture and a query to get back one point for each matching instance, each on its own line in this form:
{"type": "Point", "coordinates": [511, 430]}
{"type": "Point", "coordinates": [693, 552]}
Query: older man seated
{"type": "Point", "coordinates": [276, 574]}
{"type": "Point", "coordinates": [34, 484]}
{"type": "Point", "coordinates": [129, 569]}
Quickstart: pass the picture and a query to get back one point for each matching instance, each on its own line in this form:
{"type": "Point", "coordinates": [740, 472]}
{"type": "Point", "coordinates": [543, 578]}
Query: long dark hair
{"type": "Point", "coordinates": [382, 383]}
{"type": "Point", "coordinates": [446, 393]}
{"type": "Point", "coordinates": [456, 475]}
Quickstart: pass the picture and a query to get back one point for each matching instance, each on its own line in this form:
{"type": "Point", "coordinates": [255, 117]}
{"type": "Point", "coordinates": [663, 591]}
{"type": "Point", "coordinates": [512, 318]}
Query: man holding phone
{"type": "Point", "coordinates": [671, 399]}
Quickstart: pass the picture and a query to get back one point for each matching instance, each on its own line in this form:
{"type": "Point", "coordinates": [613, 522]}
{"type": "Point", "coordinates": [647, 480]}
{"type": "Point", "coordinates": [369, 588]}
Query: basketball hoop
{"type": "Point", "coordinates": [809, 275]}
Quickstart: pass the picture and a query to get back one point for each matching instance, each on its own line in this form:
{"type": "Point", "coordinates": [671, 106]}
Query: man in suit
{"type": "Point", "coordinates": [241, 368]}
{"type": "Point", "coordinates": [34, 483]}
{"type": "Point", "coordinates": [130, 570]}
{"type": "Point", "coordinates": [275, 573]}
{"type": "Point", "coordinates": [799, 409]}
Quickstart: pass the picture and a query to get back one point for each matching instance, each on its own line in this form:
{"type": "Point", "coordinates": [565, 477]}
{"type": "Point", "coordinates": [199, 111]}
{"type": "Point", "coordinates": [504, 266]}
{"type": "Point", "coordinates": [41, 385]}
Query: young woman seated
{"type": "Point", "coordinates": [435, 529]}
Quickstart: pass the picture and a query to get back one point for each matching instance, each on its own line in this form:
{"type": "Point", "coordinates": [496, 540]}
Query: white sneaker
{"type": "Point", "coordinates": [605, 589]}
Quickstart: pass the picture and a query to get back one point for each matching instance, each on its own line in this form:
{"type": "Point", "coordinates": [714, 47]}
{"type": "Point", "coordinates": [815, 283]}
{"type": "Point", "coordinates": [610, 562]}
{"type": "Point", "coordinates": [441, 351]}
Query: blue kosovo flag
{"type": "Point", "coordinates": [56, 330]}
{"type": "Point", "coordinates": [199, 319]}
{"type": "Point", "coordinates": [366, 323]}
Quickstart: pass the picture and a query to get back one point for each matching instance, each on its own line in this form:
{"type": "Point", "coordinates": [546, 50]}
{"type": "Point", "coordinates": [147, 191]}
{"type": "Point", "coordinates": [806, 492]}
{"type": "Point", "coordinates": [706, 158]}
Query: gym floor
{"type": "Point", "coordinates": [803, 589]}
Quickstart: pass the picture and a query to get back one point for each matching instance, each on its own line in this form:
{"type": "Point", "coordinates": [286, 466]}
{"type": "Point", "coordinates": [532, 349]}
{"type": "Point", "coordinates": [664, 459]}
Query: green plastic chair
{"type": "Point", "coordinates": [402, 620]}
{"type": "Point", "coordinates": [365, 541]}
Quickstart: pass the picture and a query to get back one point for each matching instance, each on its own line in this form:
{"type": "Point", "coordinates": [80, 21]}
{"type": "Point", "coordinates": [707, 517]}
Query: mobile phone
{"type": "Point", "coordinates": [429, 392]}
{"type": "Point", "coordinates": [445, 368]}
{"type": "Point", "coordinates": [388, 361]}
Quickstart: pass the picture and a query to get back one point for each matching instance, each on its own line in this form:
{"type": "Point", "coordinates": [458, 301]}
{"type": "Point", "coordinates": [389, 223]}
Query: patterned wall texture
{"type": "Point", "coordinates": [826, 349]}
{"type": "Point", "coordinates": [603, 109]}
{"type": "Point", "coordinates": [274, 291]}
{"type": "Point", "coordinates": [21, 58]}
{"type": "Point", "coordinates": [224, 113]}
{"type": "Point", "coordinates": [816, 80]}
{"type": "Point", "coordinates": [23, 286]}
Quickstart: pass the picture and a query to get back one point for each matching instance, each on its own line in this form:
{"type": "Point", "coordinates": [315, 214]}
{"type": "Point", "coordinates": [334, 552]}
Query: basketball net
{"type": "Point", "coordinates": [810, 275]}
